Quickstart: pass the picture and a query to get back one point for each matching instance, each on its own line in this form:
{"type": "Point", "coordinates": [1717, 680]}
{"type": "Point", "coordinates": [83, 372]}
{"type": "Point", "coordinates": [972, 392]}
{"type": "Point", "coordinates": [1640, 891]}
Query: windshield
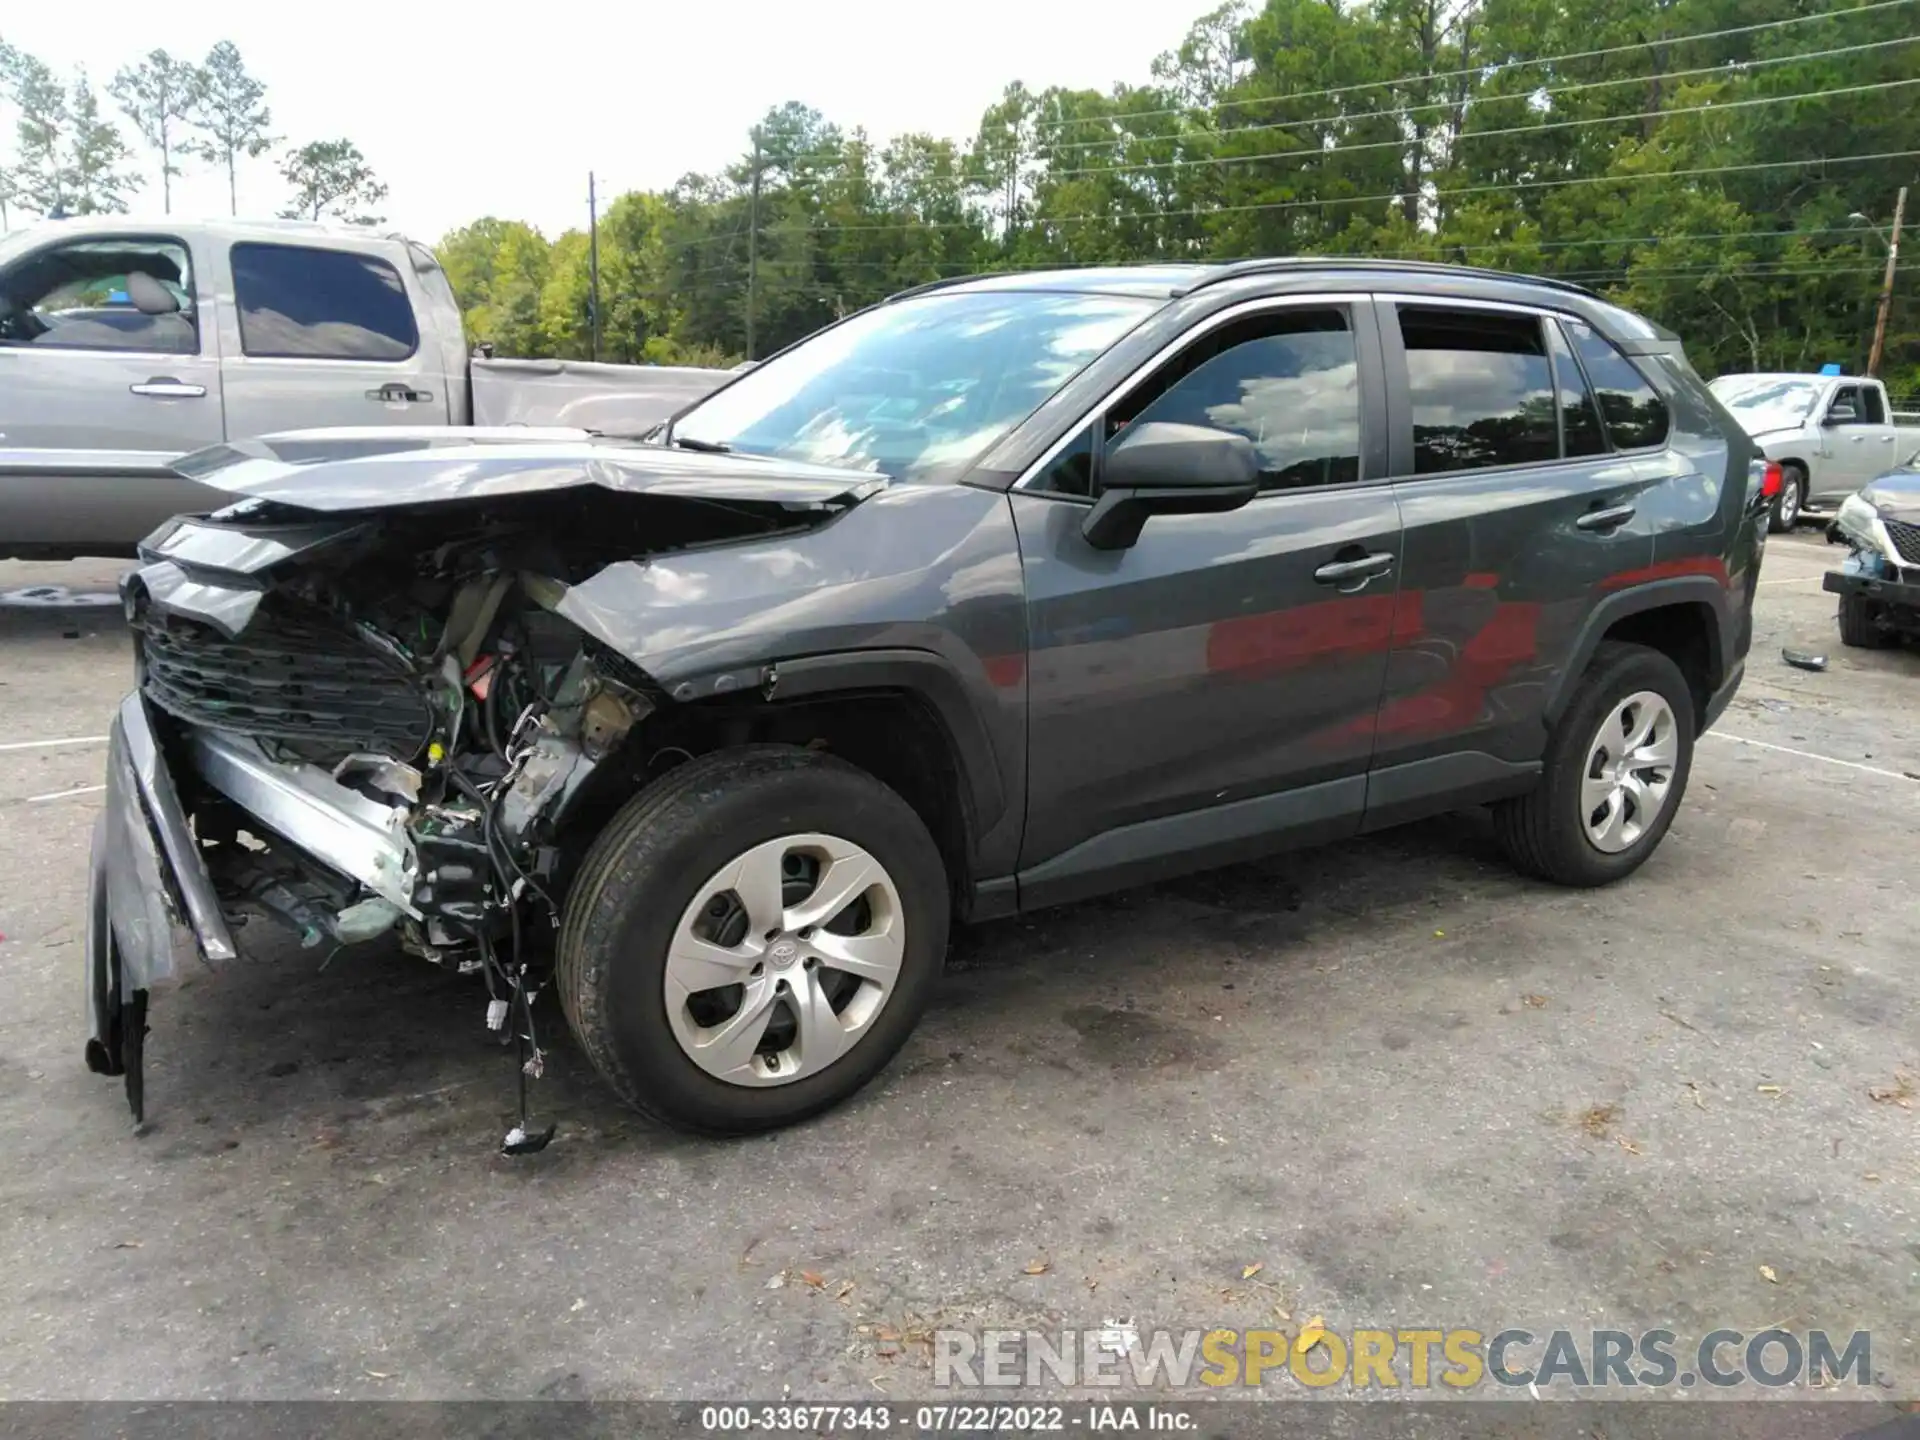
{"type": "Point", "coordinates": [915, 388]}
{"type": "Point", "coordinates": [1766, 402]}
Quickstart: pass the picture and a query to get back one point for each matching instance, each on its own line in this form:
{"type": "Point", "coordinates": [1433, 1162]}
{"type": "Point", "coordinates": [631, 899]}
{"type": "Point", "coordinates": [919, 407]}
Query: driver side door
{"type": "Point", "coordinates": [97, 397]}
{"type": "Point", "coordinates": [1210, 692]}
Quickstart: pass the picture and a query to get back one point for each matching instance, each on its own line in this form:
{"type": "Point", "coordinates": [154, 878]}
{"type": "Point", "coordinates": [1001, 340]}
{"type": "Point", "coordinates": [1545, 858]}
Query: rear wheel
{"type": "Point", "coordinates": [1860, 624]}
{"type": "Point", "coordinates": [1615, 770]}
{"type": "Point", "coordinates": [752, 938]}
{"type": "Point", "coordinates": [1791, 500]}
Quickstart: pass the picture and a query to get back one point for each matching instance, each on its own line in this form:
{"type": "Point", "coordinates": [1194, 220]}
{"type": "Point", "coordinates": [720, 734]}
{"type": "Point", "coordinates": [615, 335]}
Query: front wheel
{"type": "Point", "coordinates": [752, 938]}
{"type": "Point", "coordinates": [1860, 624]}
{"type": "Point", "coordinates": [1615, 770]}
{"type": "Point", "coordinates": [1791, 500]}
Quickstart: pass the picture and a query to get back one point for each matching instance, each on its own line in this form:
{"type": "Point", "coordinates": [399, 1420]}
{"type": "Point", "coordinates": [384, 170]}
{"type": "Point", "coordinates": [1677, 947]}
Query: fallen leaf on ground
{"type": "Point", "coordinates": [1871, 1176]}
{"type": "Point", "coordinates": [1534, 1002]}
{"type": "Point", "coordinates": [1253, 1269]}
{"type": "Point", "coordinates": [1899, 1093]}
{"type": "Point", "coordinates": [813, 1278]}
{"type": "Point", "coordinates": [1626, 1144]}
{"type": "Point", "coordinates": [846, 1289]}
{"type": "Point", "coordinates": [1439, 934]}
{"type": "Point", "coordinates": [1311, 1334]}
{"type": "Point", "coordinates": [1280, 1313]}
{"type": "Point", "coordinates": [1768, 1089]}
{"type": "Point", "coordinates": [1766, 1274]}
{"type": "Point", "coordinates": [777, 1281]}
{"type": "Point", "coordinates": [376, 1374]}
{"type": "Point", "coordinates": [1038, 1267]}
{"type": "Point", "coordinates": [1597, 1118]}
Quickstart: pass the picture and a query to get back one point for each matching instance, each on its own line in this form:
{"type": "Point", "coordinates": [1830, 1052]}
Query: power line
{"type": "Point", "coordinates": [1193, 211]}
{"type": "Point", "coordinates": [1484, 72]}
{"type": "Point", "coordinates": [1736, 69]}
{"type": "Point", "coordinates": [1401, 143]}
{"type": "Point", "coordinates": [907, 263]}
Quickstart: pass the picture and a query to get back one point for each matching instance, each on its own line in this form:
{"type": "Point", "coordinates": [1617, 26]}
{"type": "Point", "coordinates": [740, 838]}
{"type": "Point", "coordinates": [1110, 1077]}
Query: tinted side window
{"type": "Point", "coordinates": [1636, 416]}
{"type": "Point", "coordinates": [1579, 421]}
{"type": "Point", "coordinates": [1849, 397]}
{"type": "Point", "coordinates": [1481, 389]}
{"type": "Point", "coordinates": [1873, 405]}
{"type": "Point", "coordinates": [321, 304]}
{"type": "Point", "coordinates": [128, 294]}
{"type": "Point", "coordinates": [1288, 382]}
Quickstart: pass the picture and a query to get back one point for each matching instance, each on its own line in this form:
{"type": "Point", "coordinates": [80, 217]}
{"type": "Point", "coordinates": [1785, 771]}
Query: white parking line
{"type": "Point", "coordinates": [64, 794]}
{"type": "Point", "coordinates": [49, 744]}
{"type": "Point", "coordinates": [1808, 755]}
{"type": "Point", "coordinates": [1796, 579]}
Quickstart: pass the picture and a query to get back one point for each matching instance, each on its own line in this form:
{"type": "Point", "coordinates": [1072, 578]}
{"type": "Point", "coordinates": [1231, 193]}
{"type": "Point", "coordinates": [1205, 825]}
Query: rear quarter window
{"type": "Point", "coordinates": [1635, 415]}
{"type": "Point", "coordinates": [302, 302]}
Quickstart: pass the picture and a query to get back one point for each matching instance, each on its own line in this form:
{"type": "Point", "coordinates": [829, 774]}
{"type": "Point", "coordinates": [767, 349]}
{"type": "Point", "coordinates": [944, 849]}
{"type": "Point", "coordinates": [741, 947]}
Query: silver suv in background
{"type": "Point", "coordinates": [125, 344]}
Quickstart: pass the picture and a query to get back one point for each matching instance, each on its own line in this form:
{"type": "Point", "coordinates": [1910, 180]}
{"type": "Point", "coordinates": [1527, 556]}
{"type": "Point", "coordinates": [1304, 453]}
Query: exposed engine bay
{"type": "Point", "coordinates": [380, 727]}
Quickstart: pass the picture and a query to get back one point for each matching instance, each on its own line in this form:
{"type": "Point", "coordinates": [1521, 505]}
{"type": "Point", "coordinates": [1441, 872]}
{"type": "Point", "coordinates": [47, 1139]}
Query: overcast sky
{"type": "Point", "coordinates": [467, 111]}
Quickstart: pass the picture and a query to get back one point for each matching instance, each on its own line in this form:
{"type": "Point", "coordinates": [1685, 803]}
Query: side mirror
{"type": "Point", "coordinates": [1163, 469]}
{"type": "Point", "coordinates": [1842, 415]}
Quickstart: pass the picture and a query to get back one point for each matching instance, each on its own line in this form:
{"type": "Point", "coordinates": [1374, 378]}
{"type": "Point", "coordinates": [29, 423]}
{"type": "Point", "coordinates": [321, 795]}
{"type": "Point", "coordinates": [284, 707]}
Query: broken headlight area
{"type": "Point", "coordinates": [392, 742]}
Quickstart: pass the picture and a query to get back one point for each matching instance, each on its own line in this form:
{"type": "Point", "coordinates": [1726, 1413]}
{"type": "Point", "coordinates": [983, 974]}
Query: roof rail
{"type": "Point", "coordinates": [948, 282]}
{"type": "Point", "coordinates": [1236, 269]}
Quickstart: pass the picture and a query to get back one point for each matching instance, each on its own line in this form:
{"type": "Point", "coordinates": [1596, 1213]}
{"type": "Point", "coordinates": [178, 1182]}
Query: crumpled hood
{"type": "Point", "coordinates": [380, 468]}
{"type": "Point", "coordinates": [1895, 496]}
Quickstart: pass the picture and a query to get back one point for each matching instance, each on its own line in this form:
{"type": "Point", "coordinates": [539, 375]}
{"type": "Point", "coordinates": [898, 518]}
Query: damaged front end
{"type": "Point", "coordinates": [1879, 581]}
{"type": "Point", "coordinates": [360, 724]}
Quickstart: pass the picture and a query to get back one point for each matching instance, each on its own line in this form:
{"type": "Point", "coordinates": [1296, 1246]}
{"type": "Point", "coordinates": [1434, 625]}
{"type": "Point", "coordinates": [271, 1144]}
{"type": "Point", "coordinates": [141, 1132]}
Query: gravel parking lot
{"type": "Point", "coordinates": [1410, 1087]}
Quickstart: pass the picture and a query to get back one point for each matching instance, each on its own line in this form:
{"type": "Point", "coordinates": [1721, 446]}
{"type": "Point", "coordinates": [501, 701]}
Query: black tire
{"type": "Point", "coordinates": [1793, 483]}
{"type": "Point", "coordinates": [1543, 831]}
{"type": "Point", "coordinates": [645, 869]}
{"type": "Point", "coordinates": [1860, 624]}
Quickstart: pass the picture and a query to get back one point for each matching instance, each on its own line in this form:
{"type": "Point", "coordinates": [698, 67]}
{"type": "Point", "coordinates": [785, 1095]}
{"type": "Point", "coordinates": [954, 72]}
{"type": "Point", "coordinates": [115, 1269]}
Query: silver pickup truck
{"type": "Point", "coordinates": [125, 344]}
{"type": "Point", "coordinates": [1831, 434]}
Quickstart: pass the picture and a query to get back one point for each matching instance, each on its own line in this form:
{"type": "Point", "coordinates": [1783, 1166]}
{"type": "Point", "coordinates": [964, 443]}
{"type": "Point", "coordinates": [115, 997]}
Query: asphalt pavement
{"type": "Point", "coordinates": [1387, 1083]}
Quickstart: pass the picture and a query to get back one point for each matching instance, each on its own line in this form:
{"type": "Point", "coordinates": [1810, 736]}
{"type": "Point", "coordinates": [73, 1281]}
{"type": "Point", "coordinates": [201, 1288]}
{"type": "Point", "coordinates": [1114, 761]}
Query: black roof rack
{"type": "Point", "coordinates": [1236, 269]}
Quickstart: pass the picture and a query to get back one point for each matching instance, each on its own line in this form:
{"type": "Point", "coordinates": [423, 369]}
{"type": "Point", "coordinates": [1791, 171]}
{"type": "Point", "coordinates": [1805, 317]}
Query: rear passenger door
{"type": "Point", "coordinates": [325, 337]}
{"type": "Point", "coordinates": [1516, 513]}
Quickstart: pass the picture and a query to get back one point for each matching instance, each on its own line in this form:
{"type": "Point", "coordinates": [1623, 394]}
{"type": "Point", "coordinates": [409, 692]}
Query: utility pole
{"type": "Point", "coordinates": [753, 245]}
{"type": "Point", "coordinates": [593, 264]}
{"type": "Point", "coordinates": [1886, 285]}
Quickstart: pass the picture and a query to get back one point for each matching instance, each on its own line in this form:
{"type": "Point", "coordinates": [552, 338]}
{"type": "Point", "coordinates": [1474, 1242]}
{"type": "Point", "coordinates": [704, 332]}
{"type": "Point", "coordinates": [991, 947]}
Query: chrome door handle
{"type": "Point", "coordinates": [165, 387]}
{"type": "Point", "coordinates": [395, 393]}
{"type": "Point", "coordinates": [1339, 572]}
{"type": "Point", "coordinates": [1612, 518]}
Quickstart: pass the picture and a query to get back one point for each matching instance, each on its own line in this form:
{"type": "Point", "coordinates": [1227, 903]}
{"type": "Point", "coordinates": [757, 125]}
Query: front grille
{"type": "Point", "coordinates": [1906, 539]}
{"type": "Point", "coordinates": [304, 678]}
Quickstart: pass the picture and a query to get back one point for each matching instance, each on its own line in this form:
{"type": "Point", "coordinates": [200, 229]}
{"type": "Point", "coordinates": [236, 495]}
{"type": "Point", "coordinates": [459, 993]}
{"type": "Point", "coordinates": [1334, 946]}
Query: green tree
{"type": "Point", "coordinates": [158, 96]}
{"type": "Point", "coordinates": [40, 171]}
{"type": "Point", "coordinates": [229, 110]}
{"type": "Point", "coordinates": [98, 172]}
{"type": "Point", "coordinates": [331, 177]}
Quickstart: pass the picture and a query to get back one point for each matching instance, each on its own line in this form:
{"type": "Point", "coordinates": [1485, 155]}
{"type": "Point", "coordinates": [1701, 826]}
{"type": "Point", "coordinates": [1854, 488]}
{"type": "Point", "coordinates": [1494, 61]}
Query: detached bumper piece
{"type": "Point", "coordinates": [151, 905]}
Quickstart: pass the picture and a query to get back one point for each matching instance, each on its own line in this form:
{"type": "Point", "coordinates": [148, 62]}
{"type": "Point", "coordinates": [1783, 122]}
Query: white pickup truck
{"type": "Point", "coordinates": [125, 344]}
{"type": "Point", "coordinates": [1832, 434]}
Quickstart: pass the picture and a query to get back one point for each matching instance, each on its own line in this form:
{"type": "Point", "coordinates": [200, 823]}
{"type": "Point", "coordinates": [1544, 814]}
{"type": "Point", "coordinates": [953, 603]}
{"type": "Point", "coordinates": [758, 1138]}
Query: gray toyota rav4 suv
{"type": "Point", "coordinates": [1005, 592]}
